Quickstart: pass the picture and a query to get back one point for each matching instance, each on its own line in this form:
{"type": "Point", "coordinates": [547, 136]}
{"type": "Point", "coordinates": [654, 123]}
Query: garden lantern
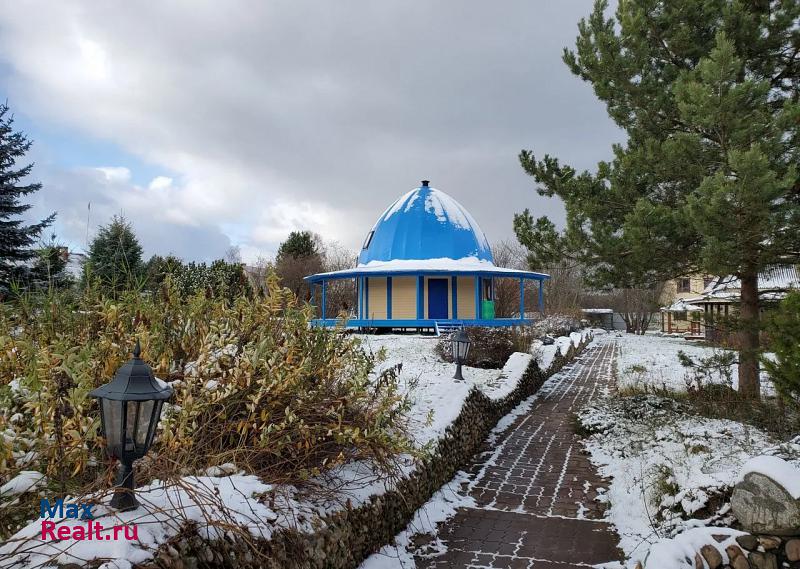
{"type": "Point", "coordinates": [130, 406]}
{"type": "Point", "coordinates": [460, 344]}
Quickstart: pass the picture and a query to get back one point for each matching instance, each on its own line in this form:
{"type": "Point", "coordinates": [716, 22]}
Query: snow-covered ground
{"type": "Point", "coordinates": [670, 471]}
{"type": "Point", "coordinates": [226, 496]}
{"type": "Point", "coordinates": [446, 501]}
{"type": "Point", "coordinates": [437, 397]}
{"type": "Point", "coordinates": [652, 360]}
{"type": "Point", "coordinates": [451, 496]}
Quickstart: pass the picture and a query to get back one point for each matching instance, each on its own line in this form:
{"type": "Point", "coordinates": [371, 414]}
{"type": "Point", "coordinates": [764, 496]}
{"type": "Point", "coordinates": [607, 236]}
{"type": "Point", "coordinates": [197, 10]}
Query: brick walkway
{"type": "Point", "coordinates": [535, 489]}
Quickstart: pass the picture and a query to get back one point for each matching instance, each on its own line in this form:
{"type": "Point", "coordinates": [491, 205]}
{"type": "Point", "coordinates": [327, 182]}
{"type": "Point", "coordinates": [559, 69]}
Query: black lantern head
{"type": "Point", "coordinates": [130, 407]}
{"type": "Point", "coordinates": [460, 343]}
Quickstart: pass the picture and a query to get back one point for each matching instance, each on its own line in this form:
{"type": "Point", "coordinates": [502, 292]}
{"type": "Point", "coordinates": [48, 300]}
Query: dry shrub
{"type": "Point", "coordinates": [255, 385]}
{"type": "Point", "coordinates": [490, 348]}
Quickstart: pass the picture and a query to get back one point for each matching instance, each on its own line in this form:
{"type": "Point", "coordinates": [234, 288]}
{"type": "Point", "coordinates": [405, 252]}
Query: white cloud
{"type": "Point", "coordinates": [115, 173]}
{"type": "Point", "coordinates": [160, 183]}
{"type": "Point", "coordinates": [291, 115]}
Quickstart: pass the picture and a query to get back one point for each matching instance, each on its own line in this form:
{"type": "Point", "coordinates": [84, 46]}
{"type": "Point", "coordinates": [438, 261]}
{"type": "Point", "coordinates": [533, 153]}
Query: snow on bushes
{"type": "Point", "coordinates": [491, 347]}
{"type": "Point", "coordinates": [255, 386]}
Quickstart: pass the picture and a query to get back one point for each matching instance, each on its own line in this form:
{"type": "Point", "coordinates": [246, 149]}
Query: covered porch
{"type": "Point", "coordinates": [427, 298]}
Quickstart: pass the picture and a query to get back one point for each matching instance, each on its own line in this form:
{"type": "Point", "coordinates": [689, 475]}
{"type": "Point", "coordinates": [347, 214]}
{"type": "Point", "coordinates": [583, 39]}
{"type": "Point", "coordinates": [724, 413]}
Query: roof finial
{"type": "Point", "coordinates": [137, 349]}
{"type": "Point", "coordinates": [425, 183]}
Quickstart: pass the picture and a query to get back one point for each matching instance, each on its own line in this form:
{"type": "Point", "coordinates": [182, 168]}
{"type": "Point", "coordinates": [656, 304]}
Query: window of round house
{"type": "Point", "coordinates": [368, 240]}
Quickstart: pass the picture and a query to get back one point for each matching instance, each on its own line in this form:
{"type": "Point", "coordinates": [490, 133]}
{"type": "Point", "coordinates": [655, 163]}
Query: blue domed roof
{"type": "Point", "coordinates": [425, 224]}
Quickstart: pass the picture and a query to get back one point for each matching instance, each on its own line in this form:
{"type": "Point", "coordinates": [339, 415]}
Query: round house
{"type": "Point", "coordinates": [426, 263]}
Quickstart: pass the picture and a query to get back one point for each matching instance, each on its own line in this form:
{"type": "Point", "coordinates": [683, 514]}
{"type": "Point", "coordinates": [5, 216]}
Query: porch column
{"type": "Point", "coordinates": [541, 297]}
{"type": "Point", "coordinates": [360, 291]}
{"type": "Point", "coordinates": [454, 294]}
{"type": "Point", "coordinates": [323, 299]}
{"type": "Point", "coordinates": [522, 298]}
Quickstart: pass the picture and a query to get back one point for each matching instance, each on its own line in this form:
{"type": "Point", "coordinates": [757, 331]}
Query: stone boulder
{"type": "Point", "coordinates": [762, 502]}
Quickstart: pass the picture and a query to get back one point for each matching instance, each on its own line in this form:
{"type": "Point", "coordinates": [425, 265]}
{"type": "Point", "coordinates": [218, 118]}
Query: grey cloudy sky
{"type": "Point", "coordinates": [213, 123]}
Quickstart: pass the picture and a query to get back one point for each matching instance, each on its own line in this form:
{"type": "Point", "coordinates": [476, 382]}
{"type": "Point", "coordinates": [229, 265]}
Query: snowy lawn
{"type": "Point", "coordinates": [437, 397]}
{"type": "Point", "coordinates": [671, 471]}
{"type": "Point", "coordinates": [225, 497]}
{"type": "Point", "coordinates": [652, 360]}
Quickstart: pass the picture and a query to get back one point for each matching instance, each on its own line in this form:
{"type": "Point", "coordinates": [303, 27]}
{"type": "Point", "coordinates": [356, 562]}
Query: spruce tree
{"type": "Point", "coordinates": [115, 256]}
{"type": "Point", "coordinates": [707, 93]}
{"type": "Point", "coordinates": [17, 239]}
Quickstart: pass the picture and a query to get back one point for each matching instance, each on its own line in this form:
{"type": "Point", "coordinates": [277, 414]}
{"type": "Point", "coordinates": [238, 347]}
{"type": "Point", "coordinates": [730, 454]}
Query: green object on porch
{"type": "Point", "coordinates": [487, 309]}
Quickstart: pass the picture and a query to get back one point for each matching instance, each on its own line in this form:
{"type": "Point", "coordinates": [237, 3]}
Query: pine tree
{"type": "Point", "coordinates": [707, 92]}
{"type": "Point", "coordinates": [16, 238]}
{"type": "Point", "coordinates": [299, 256]}
{"type": "Point", "coordinates": [115, 255]}
{"type": "Point", "coordinates": [299, 244]}
{"type": "Point", "coordinates": [784, 330]}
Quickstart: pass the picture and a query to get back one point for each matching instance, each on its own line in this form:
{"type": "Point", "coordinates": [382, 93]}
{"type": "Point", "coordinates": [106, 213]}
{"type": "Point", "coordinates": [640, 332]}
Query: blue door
{"type": "Point", "coordinates": [437, 299]}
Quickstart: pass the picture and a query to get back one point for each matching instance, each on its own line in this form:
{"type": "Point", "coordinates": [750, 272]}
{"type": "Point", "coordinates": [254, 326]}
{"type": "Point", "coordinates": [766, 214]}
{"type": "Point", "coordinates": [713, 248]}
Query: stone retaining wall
{"type": "Point", "coordinates": [347, 537]}
{"type": "Point", "coordinates": [749, 552]}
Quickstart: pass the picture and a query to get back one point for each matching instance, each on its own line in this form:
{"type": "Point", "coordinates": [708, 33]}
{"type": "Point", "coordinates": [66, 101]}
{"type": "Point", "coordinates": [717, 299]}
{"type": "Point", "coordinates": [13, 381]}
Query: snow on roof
{"type": "Point", "coordinates": [777, 277]}
{"type": "Point", "coordinates": [598, 310]}
{"type": "Point", "coordinates": [425, 223]}
{"type": "Point", "coordinates": [682, 305]}
{"type": "Point", "coordinates": [777, 469]}
{"type": "Point", "coordinates": [445, 265]}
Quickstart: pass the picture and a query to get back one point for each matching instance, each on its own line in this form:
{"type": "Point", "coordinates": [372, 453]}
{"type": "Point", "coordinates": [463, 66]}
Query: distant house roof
{"type": "Point", "coordinates": [683, 305]}
{"type": "Point", "coordinates": [773, 284]}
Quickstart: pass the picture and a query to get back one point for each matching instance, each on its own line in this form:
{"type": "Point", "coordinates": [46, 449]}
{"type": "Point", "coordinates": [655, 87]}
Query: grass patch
{"type": "Point", "coordinates": [717, 401]}
{"type": "Point", "coordinates": [579, 428]}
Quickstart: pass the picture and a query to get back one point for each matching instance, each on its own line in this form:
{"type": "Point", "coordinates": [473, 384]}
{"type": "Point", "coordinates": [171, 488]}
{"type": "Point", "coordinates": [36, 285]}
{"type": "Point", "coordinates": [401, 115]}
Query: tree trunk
{"type": "Point", "coordinates": [629, 327]}
{"type": "Point", "coordinates": [749, 382]}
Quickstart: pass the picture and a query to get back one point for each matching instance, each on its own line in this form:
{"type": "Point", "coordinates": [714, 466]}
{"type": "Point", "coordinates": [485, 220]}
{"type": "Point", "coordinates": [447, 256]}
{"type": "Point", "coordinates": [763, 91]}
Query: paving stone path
{"type": "Point", "coordinates": [535, 489]}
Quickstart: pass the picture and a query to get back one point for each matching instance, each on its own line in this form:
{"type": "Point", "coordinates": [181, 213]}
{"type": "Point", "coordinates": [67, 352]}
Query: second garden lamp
{"type": "Point", "coordinates": [460, 344]}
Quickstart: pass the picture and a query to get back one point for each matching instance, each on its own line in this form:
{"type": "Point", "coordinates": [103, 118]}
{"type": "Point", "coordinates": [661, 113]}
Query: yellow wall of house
{"type": "Point", "coordinates": [670, 293]}
{"type": "Point", "coordinates": [466, 298]}
{"type": "Point", "coordinates": [404, 298]}
{"type": "Point", "coordinates": [377, 298]}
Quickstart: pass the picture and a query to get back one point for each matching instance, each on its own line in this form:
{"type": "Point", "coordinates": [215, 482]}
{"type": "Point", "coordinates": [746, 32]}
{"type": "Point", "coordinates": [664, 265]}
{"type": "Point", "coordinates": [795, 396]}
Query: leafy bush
{"type": "Point", "coordinates": [220, 279]}
{"type": "Point", "coordinates": [255, 385]}
{"type": "Point", "coordinates": [784, 330]}
{"type": "Point", "coordinates": [490, 348]}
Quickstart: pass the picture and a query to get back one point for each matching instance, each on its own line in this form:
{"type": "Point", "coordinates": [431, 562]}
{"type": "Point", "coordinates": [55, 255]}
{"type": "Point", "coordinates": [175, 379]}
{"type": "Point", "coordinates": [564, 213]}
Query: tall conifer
{"type": "Point", "coordinates": [707, 92]}
{"type": "Point", "coordinates": [17, 239]}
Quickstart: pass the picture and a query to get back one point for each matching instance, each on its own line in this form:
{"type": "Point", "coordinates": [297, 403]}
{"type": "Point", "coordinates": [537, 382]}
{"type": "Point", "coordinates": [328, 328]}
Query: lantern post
{"type": "Point", "coordinates": [130, 408]}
